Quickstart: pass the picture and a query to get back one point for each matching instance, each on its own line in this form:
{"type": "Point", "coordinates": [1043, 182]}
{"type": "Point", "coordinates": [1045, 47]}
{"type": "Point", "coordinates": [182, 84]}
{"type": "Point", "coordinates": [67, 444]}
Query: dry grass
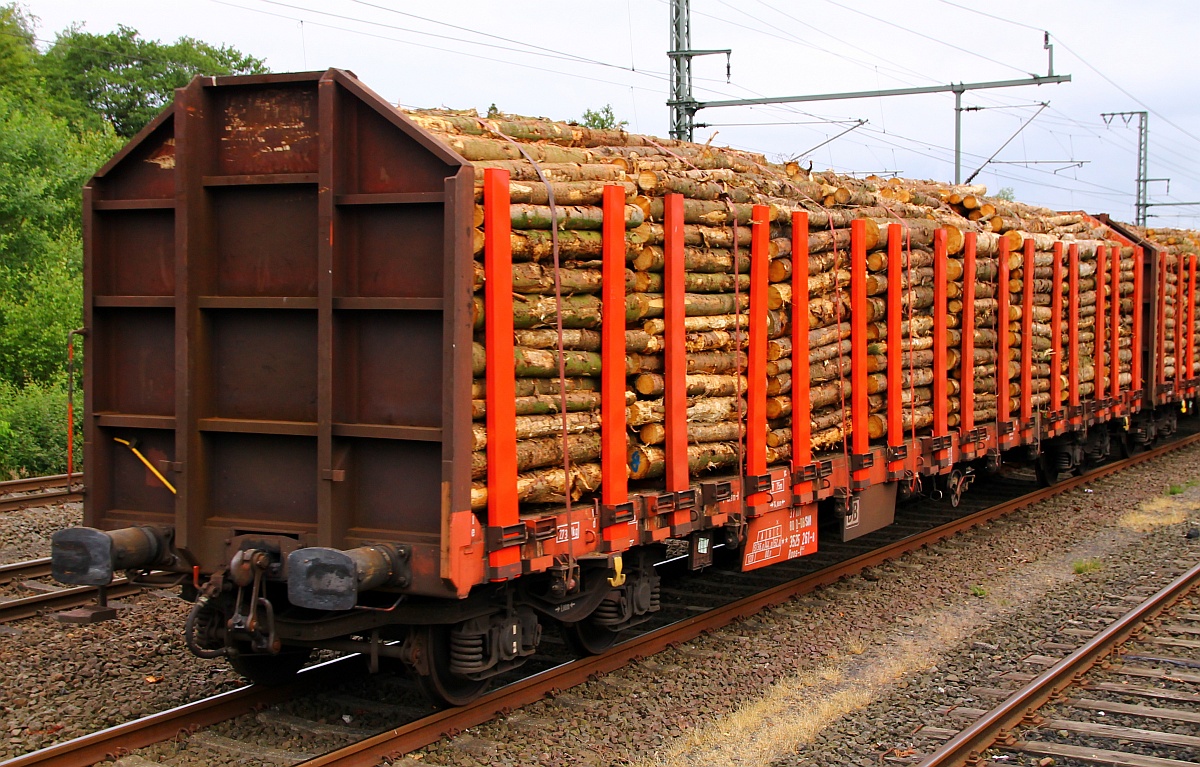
{"type": "Point", "coordinates": [800, 707]}
{"type": "Point", "coordinates": [1157, 512]}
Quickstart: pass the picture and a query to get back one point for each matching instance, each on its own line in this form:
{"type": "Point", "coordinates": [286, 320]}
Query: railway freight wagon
{"type": "Point", "coordinates": [422, 385]}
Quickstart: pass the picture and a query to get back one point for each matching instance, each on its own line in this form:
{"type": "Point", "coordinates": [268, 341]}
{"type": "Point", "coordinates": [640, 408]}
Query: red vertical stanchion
{"type": "Point", "coordinates": [756, 374]}
{"type": "Point", "coordinates": [801, 425]}
{"type": "Point", "coordinates": [940, 370]}
{"type": "Point", "coordinates": [614, 487]}
{"type": "Point", "coordinates": [1114, 328]}
{"type": "Point", "coordinates": [895, 313]}
{"type": "Point", "coordinates": [674, 354]}
{"type": "Point", "coordinates": [1161, 314]}
{"type": "Point", "coordinates": [1191, 320]}
{"type": "Point", "coordinates": [858, 344]}
{"type": "Point", "coordinates": [1179, 312]}
{"type": "Point", "coordinates": [1056, 323]}
{"type": "Point", "coordinates": [1027, 336]}
{"type": "Point", "coordinates": [1099, 391]}
{"type": "Point", "coordinates": [966, 366]}
{"type": "Point", "coordinates": [1073, 324]}
{"type": "Point", "coordinates": [1136, 364]}
{"type": "Point", "coordinates": [502, 508]}
{"type": "Point", "coordinates": [1003, 412]}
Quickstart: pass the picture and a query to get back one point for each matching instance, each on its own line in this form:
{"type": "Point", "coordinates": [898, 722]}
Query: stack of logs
{"type": "Point", "coordinates": [720, 187]}
{"type": "Point", "coordinates": [1178, 244]}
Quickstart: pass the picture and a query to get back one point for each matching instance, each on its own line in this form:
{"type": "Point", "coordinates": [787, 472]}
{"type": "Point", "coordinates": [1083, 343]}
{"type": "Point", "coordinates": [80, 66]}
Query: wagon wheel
{"type": "Point", "coordinates": [587, 637]}
{"type": "Point", "coordinates": [955, 483]}
{"type": "Point", "coordinates": [1046, 469]}
{"type": "Point", "coordinates": [270, 670]}
{"type": "Point", "coordinates": [1125, 444]}
{"type": "Point", "coordinates": [443, 686]}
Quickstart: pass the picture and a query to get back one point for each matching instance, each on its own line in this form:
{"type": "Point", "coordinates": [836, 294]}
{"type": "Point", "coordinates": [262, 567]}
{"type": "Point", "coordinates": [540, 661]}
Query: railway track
{"type": "Point", "coordinates": [421, 732]}
{"type": "Point", "coordinates": [1082, 728]}
{"type": "Point", "coordinates": [39, 491]}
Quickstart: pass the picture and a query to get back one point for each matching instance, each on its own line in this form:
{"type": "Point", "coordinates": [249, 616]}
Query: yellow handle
{"type": "Point", "coordinates": [618, 578]}
{"type": "Point", "coordinates": [153, 470]}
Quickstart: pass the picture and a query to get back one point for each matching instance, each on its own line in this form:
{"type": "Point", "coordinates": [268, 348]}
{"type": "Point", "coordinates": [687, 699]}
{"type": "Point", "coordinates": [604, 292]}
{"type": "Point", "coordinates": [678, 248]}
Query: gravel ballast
{"type": "Point", "coordinates": [840, 676]}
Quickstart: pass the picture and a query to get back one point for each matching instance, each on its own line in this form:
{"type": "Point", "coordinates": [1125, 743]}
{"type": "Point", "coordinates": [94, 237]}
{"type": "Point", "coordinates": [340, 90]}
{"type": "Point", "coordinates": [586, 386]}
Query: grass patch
{"type": "Point", "coordinates": [1177, 489]}
{"type": "Point", "coordinates": [979, 591]}
{"type": "Point", "coordinates": [1155, 513]}
{"type": "Point", "coordinates": [1081, 566]}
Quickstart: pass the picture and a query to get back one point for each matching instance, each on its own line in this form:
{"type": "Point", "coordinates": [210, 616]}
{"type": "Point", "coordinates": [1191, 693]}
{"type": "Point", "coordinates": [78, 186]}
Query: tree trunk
{"type": "Point", "coordinates": [542, 404]}
{"type": "Point", "coordinates": [647, 462]}
{"type": "Point", "coordinates": [701, 409]}
{"type": "Point", "coordinates": [697, 385]}
{"type": "Point", "coordinates": [650, 258]}
{"type": "Point", "coordinates": [546, 485]}
{"type": "Point", "coordinates": [656, 433]}
{"type": "Point", "coordinates": [533, 426]}
{"type": "Point", "coordinates": [546, 451]}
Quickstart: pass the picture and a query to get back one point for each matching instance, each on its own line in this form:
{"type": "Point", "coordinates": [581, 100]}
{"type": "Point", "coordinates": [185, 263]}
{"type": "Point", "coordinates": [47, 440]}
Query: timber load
{"type": "Point", "coordinates": [1023, 265]}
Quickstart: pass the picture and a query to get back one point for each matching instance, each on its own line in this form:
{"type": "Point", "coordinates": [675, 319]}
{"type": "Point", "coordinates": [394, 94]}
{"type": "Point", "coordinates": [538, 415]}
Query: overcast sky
{"type": "Point", "coordinates": [559, 58]}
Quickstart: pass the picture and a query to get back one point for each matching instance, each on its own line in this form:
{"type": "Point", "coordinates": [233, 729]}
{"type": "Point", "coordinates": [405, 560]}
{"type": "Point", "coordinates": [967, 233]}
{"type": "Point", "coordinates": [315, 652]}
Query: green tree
{"type": "Point", "coordinates": [1006, 193]}
{"type": "Point", "coordinates": [18, 54]}
{"type": "Point", "coordinates": [123, 79]}
{"type": "Point", "coordinates": [602, 119]}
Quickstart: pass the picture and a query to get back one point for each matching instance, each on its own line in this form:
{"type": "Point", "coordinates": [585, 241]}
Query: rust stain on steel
{"type": "Point", "coordinates": [421, 733]}
{"type": "Point", "coordinates": [164, 155]}
{"type": "Point", "coordinates": [272, 131]}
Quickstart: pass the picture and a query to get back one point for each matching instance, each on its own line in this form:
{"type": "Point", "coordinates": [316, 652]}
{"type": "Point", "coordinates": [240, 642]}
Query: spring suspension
{"type": "Point", "coordinates": [468, 652]}
{"type": "Point", "coordinates": [610, 612]}
{"type": "Point", "coordinates": [1062, 461]}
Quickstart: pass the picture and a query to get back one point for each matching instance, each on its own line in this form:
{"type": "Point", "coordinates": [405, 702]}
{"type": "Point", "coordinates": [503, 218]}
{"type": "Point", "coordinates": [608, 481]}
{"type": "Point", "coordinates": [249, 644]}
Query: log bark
{"type": "Point", "coordinates": [546, 485]}
{"type": "Point", "coordinates": [533, 426]}
{"type": "Point", "coordinates": [546, 451]}
{"type": "Point", "coordinates": [724, 431]}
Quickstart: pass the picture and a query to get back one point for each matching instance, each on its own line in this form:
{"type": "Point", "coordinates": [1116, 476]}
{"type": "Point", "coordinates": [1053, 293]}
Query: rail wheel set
{"type": "Point", "coordinates": [316, 404]}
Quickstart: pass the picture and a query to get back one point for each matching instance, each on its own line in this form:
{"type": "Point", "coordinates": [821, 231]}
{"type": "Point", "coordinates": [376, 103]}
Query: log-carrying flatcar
{"type": "Point", "coordinates": [421, 384]}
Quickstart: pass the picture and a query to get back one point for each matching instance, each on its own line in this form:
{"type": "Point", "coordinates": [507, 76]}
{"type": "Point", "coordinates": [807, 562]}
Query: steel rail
{"type": "Point", "coordinates": [968, 746]}
{"type": "Point", "coordinates": [27, 607]}
{"type": "Point", "coordinates": [368, 752]}
{"type": "Point", "coordinates": [18, 494]}
{"type": "Point", "coordinates": [32, 568]}
{"type": "Point", "coordinates": [113, 741]}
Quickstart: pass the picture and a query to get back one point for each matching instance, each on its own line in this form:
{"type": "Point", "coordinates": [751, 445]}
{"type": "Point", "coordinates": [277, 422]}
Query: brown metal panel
{"type": "Point", "coordinates": [393, 487]}
{"type": "Point", "coordinates": [145, 167]}
{"type": "Point", "coordinates": [266, 129]}
{"type": "Point", "coordinates": [132, 486]}
{"type": "Point", "coordinates": [264, 241]}
{"type": "Point", "coordinates": [192, 244]}
{"type": "Point", "coordinates": [398, 251]}
{"type": "Point", "coordinates": [137, 253]}
{"type": "Point", "coordinates": [386, 160]}
{"type": "Point", "coordinates": [458, 225]}
{"type": "Point", "coordinates": [390, 363]}
{"type": "Point", "coordinates": [332, 501]}
{"type": "Point", "coordinates": [134, 367]}
{"type": "Point", "coordinates": [263, 365]}
{"type": "Point", "coordinates": [259, 481]}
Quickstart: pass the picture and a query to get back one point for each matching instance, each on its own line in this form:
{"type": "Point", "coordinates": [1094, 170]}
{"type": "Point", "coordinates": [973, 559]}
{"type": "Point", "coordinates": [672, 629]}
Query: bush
{"type": "Point", "coordinates": [33, 430]}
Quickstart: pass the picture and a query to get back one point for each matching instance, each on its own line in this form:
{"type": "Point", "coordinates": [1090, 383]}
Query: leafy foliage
{"type": "Point", "coordinates": [33, 430]}
{"type": "Point", "coordinates": [1006, 193]}
{"type": "Point", "coordinates": [126, 80]}
{"type": "Point", "coordinates": [62, 114]}
{"type": "Point", "coordinates": [602, 119]}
